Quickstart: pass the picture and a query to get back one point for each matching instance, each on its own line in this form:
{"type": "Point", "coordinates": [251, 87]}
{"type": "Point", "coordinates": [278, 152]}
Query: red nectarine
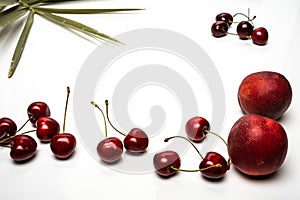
{"type": "Point", "coordinates": [265, 93]}
{"type": "Point", "coordinates": [257, 145]}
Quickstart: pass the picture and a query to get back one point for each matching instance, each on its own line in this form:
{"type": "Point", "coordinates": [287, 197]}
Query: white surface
{"type": "Point", "coordinates": [53, 57]}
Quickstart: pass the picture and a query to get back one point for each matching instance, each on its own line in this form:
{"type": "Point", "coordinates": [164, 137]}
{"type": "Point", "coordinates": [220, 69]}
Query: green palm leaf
{"type": "Point", "coordinates": [21, 45]}
{"type": "Point", "coordinates": [76, 26]}
{"type": "Point", "coordinates": [84, 11]}
{"type": "Point", "coordinates": [7, 2]}
{"type": "Point", "coordinates": [10, 15]}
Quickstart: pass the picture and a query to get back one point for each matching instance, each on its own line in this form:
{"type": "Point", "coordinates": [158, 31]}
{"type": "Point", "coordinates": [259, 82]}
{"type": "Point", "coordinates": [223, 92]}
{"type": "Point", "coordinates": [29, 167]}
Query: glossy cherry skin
{"type": "Point", "coordinates": [219, 29]}
{"type": "Point", "coordinates": [211, 159]}
{"type": "Point", "coordinates": [23, 147]}
{"type": "Point", "coordinates": [7, 127]}
{"type": "Point", "coordinates": [37, 110]}
{"type": "Point", "coordinates": [136, 141]}
{"type": "Point", "coordinates": [164, 160]}
{"type": "Point", "coordinates": [63, 145]}
{"type": "Point", "coordinates": [260, 36]}
{"type": "Point", "coordinates": [196, 128]}
{"type": "Point", "coordinates": [226, 17]}
{"type": "Point", "coordinates": [46, 128]}
{"type": "Point", "coordinates": [244, 30]}
{"type": "Point", "coordinates": [110, 149]}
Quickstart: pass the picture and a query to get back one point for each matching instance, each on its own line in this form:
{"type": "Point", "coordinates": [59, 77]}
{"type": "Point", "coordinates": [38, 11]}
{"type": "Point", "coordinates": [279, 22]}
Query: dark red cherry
{"type": "Point", "coordinates": [213, 159]}
{"type": "Point", "coordinates": [244, 30]}
{"type": "Point", "coordinates": [219, 29]}
{"type": "Point", "coordinates": [23, 147]}
{"type": "Point", "coordinates": [63, 145]}
{"type": "Point", "coordinates": [260, 36]}
{"type": "Point", "coordinates": [226, 17]}
{"type": "Point", "coordinates": [37, 110]}
{"type": "Point", "coordinates": [8, 128]}
{"type": "Point", "coordinates": [46, 128]}
{"type": "Point", "coordinates": [165, 161]}
{"type": "Point", "coordinates": [197, 128]}
{"type": "Point", "coordinates": [136, 141]}
{"type": "Point", "coordinates": [110, 149]}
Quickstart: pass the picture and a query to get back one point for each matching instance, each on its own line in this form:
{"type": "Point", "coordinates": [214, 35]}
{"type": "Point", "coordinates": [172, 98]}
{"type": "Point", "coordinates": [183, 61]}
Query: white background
{"type": "Point", "coordinates": [54, 56]}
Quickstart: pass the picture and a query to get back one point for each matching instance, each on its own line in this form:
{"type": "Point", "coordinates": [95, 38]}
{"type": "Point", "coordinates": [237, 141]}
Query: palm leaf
{"type": "Point", "coordinates": [84, 11]}
{"type": "Point", "coordinates": [21, 45]}
{"type": "Point", "coordinates": [10, 15]}
{"type": "Point", "coordinates": [76, 26]}
{"type": "Point", "coordinates": [7, 2]}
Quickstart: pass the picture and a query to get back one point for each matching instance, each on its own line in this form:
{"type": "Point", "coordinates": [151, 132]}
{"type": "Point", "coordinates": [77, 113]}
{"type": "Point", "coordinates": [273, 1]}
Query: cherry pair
{"type": "Point", "coordinates": [23, 147]}
{"type": "Point", "coordinates": [110, 149]}
{"type": "Point", "coordinates": [245, 29]}
{"type": "Point", "coordinates": [212, 166]}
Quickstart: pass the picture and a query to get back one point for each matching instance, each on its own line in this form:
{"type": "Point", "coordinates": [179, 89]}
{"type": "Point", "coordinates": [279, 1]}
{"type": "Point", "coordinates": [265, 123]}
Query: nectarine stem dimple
{"type": "Point", "coordinates": [106, 103]}
{"type": "Point", "coordinates": [167, 139]}
{"type": "Point", "coordinates": [105, 126]}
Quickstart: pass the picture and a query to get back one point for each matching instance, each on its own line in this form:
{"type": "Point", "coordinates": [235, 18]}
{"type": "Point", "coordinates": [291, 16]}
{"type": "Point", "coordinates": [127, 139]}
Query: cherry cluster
{"type": "Point", "coordinates": [110, 149]}
{"type": "Point", "coordinates": [213, 166]}
{"type": "Point", "coordinates": [245, 29]}
{"type": "Point", "coordinates": [24, 147]}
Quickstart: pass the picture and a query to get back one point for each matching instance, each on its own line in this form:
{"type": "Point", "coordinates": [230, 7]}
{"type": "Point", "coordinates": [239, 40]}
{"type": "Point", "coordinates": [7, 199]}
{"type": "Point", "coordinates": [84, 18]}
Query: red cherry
{"type": "Point", "coordinates": [219, 29]}
{"type": "Point", "coordinates": [165, 162]}
{"type": "Point", "coordinates": [63, 145]}
{"type": "Point", "coordinates": [8, 128]}
{"type": "Point", "coordinates": [196, 128]}
{"type": "Point", "coordinates": [37, 110]}
{"type": "Point", "coordinates": [226, 17]}
{"type": "Point", "coordinates": [23, 147]}
{"type": "Point", "coordinates": [213, 166]}
{"type": "Point", "coordinates": [244, 30]}
{"type": "Point", "coordinates": [110, 149]}
{"type": "Point", "coordinates": [136, 141]}
{"type": "Point", "coordinates": [260, 36]}
{"type": "Point", "coordinates": [47, 128]}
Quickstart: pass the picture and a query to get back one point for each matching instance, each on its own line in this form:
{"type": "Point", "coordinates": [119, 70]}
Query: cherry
{"type": "Point", "coordinates": [212, 166]}
{"type": "Point", "coordinates": [213, 159]}
{"type": "Point", "coordinates": [136, 141]}
{"type": "Point", "coordinates": [166, 163]}
{"type": "Point", "coordinates": [37, 110]}
{"type": "Point", "coordinates": [8, 128]}
{"type": "Point", "coordinates": [46, 128]}
{"type": "Point", "coordinates": [110, 149]}
{"type": "Point", "coordinates": [244, 30]}
{"type": "Point", "coordinates": [260, 36]}
{"type": "Point", "coordinates": [23, 147]}
{"type": "Point", "coordinates": [226, 17]}
{"type": "Point", "coordinates": [63, 144]}
{"type": "Point", "coordinates": [196, 128]}
{"type": "Point", "coordinates": [219, 29]}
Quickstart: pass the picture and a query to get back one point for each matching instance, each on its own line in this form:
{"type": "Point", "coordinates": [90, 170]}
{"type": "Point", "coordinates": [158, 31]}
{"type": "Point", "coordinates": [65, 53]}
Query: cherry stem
{"type": "Point", "coordinates": [96, 105]}
{"type": "Point", "coordinates": [3, 135]}
{"type": "Point", "coordinates": [217, 136]}
{"type": "Point", "coordinates": [196, 170]}
{"type": "Point", "coordinates": [106, 103]}
{"type": "Point", "coordinates": [4, 140]}
{"type": "Point", "coordinates": [66, 108]}
{"type": "Point", "coordinates": [25, 123]}
{"type": "Point", "coordinates": [178, 136]}
{"type": "Point", "coordinates": [6, 146]}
